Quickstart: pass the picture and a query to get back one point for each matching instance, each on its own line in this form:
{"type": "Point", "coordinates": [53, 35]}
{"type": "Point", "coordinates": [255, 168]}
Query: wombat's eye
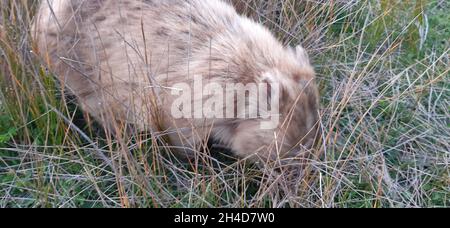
{"type": "Point", "coordinates": [303, 83]}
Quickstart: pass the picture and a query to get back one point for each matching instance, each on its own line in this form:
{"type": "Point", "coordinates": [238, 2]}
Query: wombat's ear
{"type": "Point", "coordinates": [302, 55]}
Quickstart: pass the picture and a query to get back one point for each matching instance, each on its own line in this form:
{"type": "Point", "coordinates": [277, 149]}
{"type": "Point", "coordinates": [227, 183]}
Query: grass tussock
{"type": "Point", "coordinates": [383, 68]}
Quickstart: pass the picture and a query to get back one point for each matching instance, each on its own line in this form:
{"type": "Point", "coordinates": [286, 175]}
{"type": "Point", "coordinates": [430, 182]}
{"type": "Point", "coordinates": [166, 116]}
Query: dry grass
{"type": "Point", "coordinates": [383, 70]}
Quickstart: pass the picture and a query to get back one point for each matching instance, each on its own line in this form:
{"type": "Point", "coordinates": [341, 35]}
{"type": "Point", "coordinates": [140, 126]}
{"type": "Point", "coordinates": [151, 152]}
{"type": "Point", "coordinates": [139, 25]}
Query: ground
{"type": "Point", "coordinates": [383, 70]}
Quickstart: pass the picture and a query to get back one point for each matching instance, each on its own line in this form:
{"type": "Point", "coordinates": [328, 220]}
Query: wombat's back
{"type": "Point", "coordinates": [104, 49]}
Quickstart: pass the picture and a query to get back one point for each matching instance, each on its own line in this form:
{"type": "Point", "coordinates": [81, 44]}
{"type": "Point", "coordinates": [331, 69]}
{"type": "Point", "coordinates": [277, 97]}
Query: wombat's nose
{"type": "Point", "coordinates": [309, 144]}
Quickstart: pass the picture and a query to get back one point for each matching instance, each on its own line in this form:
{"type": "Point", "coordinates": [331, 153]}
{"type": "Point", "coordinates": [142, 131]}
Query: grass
{"type": "Point", "coordinates": [383, 68]}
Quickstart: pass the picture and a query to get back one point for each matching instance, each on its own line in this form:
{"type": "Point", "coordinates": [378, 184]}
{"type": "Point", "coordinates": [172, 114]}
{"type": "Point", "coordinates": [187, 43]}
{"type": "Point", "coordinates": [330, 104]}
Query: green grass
{"type": "Point", "coordinates": [383, 68]}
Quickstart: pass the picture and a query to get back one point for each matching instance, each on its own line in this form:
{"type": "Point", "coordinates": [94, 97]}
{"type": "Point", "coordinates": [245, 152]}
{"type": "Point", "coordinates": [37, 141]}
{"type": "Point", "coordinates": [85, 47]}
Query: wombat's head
{"type": "Point", "coordinates": [293, 125]}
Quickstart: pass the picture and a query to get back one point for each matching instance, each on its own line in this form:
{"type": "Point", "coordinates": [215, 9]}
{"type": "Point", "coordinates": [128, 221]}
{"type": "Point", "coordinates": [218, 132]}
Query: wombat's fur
{"type": "Point", "coordinates": [120, 59]}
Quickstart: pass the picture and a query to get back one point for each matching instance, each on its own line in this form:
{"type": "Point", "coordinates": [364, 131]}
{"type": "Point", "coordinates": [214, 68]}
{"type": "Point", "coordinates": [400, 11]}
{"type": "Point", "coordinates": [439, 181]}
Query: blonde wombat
{"type": "Point", "coordinates": [144, 63]}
